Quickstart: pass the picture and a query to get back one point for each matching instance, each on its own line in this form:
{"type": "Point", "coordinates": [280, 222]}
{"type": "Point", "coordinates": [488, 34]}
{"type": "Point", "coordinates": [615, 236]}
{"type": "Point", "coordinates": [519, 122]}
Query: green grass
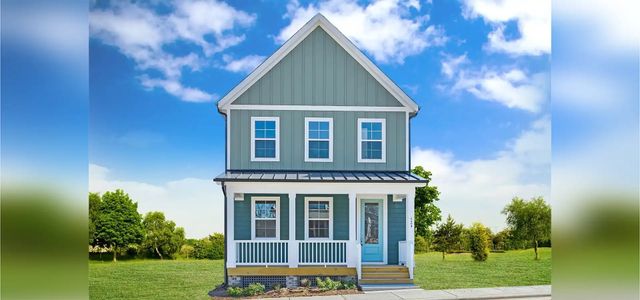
{"type": "Point", "coordinates": [192, 279]}
{"type": "Point", "coordinates": [154, 279]}
{"type": "Point", "coordinates": [512, 268]}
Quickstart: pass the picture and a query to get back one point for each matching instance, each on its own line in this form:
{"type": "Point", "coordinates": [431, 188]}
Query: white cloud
{"type": "Point", "coordinates": [533, 19]}
{"type": "Point", "coordinates": [175, 88]}
{"type": "Point", "coordinates": [192, 203]}
{"type": "Point", "coordinates": [141, 34]}
{"type": "Point", "coordinates": [513, 87]}
{"type": "Point", "coordinates": [242, 65]}
{"type": "Point", "coordinates": [477, 190]}
{"type": "Point", "coordinates": [383, 29]}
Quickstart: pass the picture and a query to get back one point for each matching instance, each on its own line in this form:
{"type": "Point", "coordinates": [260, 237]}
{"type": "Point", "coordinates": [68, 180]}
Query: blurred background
{"type": "Point", "coordinates": [595, 87]}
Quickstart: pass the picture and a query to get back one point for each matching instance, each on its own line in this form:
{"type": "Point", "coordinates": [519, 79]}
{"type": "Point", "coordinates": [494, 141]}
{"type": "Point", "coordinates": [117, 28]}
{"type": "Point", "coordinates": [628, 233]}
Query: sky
{"type": "Point", "coordinates": [479, 69]}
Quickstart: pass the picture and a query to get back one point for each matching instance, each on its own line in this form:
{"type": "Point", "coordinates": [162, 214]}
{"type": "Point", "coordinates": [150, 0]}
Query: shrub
{"type": "Point", "coordinates": [479, 241]}
{"type": "Point", "coordinates": [253, 289]}
{"type": "Point", "coordinates": [186, 251]}
{"type": "Point", "coordinates": [276, 286]}
{"type": "Point", "coordinates": [421, 245]}
{"type": "Point", "coordinates": [327, 284]}
{"type": "Point", "coordinates": [305, 282]}
{"type": "Point", "coordinates": [235, 291]}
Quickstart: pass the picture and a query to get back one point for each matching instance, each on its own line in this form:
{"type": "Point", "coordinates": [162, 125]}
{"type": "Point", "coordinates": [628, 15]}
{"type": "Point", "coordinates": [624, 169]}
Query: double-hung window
{"type": "Point", "coordinates": [265, 139]}
{"type": "Point", "coordinates": [318, 218]}
{"type": "Point", "coordinates": [371, 140]}
{"type": "Point", "coordinates": [265, 213]}
{"type": "Point", "coordinates": [318, 139]}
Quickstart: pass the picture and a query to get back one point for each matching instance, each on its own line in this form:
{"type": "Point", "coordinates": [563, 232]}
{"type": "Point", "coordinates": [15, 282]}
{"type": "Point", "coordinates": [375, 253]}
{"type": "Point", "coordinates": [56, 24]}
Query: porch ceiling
{"type": "Point", "coordinates": [320, 176]}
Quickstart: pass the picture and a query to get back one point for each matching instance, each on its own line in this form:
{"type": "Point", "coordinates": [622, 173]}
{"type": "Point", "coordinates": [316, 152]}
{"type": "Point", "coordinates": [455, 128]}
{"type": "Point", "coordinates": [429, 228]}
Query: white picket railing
{"type": "Point", "coordinates": [322, 252]}
{"type": "Point", "coordinates": [262, 252]}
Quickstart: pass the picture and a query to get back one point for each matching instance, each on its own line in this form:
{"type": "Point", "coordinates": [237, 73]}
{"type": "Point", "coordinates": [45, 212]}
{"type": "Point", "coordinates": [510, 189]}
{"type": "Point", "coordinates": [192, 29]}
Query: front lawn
{"type": "Point", "coordinates": [154, 279]}
{"type": "Point", "coordinates": [193, 279]}
{"type": "Point", "coordinates": [512, 268]}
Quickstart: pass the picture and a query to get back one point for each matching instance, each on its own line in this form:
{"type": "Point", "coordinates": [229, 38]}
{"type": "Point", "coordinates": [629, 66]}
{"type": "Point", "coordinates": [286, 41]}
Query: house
{"type": "Point", "coordinates": [317, 179]}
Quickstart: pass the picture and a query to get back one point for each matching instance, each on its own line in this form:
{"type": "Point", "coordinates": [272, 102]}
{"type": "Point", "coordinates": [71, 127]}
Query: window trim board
{"type": "Point", "coordinates": [306, 139]}
{"type": "Point", "coordinates": [306, 217]}
{"type": "Point", "coordinates": [383, 158]}
{"type": "Point", "coordinates": [253, 217]}
{"type": "Point", "coordinates": [253, 139]}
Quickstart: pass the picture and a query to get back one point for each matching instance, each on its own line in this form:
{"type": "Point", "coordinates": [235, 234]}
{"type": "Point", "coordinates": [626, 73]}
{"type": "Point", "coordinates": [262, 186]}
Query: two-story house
{"type": "Point", "coordinates": [317, 179]}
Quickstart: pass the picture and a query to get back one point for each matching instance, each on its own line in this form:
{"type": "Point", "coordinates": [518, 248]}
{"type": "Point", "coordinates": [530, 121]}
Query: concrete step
{"type": "Point", "coordinates": [385, 275]}
{"type": "Point", "coordinates": [387, 287]}
{"type": "Point", "coordinates": [385, 281]}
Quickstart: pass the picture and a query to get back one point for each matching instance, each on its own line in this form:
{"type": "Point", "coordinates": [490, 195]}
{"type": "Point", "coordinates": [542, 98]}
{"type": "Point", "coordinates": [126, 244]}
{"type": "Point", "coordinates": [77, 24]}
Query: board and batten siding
{"type": "Point", "coordinates": [345, 141]}
{"type": "Point", "coordinates": [396, 230]}
{"type": "Point", "coordinates": [318, 71]}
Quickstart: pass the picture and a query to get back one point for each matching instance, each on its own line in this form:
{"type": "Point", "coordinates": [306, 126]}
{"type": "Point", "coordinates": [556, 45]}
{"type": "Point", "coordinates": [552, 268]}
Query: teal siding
{"type": "Point", "coordinates": [396, 228]}
{"type": "Point", "coordinates": [318, 72]}
{"type": "Point", "coordinates": [345, 142]}
{"type": "Point", "coordinates": [242, 216]}
{"type": "Point", "coordinates": [340, 216]}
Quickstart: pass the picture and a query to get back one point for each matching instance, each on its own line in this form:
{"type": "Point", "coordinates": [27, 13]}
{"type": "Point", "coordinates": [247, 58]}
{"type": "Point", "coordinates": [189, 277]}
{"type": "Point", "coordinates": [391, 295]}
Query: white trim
{"type": "Point", "coordinates": [253, 138]}
{"type": "Point", "coordinates": [318, 21]}
{"type": "Point", "coordinates": [385, 245]}
{"type": "Point", "coordinates": [384, 141]}
{"type": "Point", "coordinates": [407, 149]}
{"type": "Point", "coordinates": [229, 231]}
{"type": "Point", "coordinates": [253, 216]}
{"type": "Point", "coordinates": [306, 217]}
{"type": "Point", "coordinates": [306, 139]}
{"type": "Point", "coordinates": [317, 108]}
{"type": "Point", "coordinates": [228, 144]}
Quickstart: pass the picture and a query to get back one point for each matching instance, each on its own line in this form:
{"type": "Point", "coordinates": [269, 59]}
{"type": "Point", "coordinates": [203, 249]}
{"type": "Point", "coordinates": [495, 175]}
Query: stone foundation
{"type": "Point", "coordinates": [292, 281]}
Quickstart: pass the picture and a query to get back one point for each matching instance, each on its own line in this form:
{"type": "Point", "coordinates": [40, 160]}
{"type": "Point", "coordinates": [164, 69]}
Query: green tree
{"type": "Point", "coordinates": [479, 240]}
{"type": "Point", "coordinates": [529, 220]}
{"type": "Point", "coordinates": [118, 223]}
{"type": "Point", "coordinates": [186, 251]}
{"type": "Point", "coordinates": [448, 235]}
{"type": "Point", "coordinates": [94, 212]}
{"type": "Point", "coordinates": [161, 235]}
{"type": "Point", "coordinates": [426, 212]}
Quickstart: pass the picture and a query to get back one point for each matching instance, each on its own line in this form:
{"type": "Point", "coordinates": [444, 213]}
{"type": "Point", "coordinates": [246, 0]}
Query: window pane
{"type": "Point", "coordinates": [371, 215]}
{"type": "Point", "coordinates": [319, 228]}
{"type": "Point", "coordinates": [371, 131]}
{"type": "Point", "coordinates": [260, 125]}
{"type": "Point", "coordinates": [265, 209]}
{"type": "Point", "coordinates": [265, 148]}
{"type": "Point", "coordinates": [270, 125]}
{"type": "Point", "coordinates": [266, 228]}
{"type": "Point", "coordinates": [372, 150]}
{"type": "Point", "coordinates": [318, 149]}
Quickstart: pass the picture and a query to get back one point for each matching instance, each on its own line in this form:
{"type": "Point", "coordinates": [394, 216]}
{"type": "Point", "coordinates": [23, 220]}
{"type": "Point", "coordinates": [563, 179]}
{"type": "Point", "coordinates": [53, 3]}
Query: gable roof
{"type": "Point", "coordinates": [318, 21]}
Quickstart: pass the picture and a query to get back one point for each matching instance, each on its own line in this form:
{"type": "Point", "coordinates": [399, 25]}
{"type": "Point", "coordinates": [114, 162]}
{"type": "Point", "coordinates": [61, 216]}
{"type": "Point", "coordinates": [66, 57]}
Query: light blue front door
{"type": "Point", "coordinates": [371, 230]}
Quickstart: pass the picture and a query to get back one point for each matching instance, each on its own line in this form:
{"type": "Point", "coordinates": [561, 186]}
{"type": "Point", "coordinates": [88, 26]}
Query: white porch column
{"type": "Point", "coordinates": [293, 243]}
{"type": "Point", "coordinates": [231, 245]}
{"type": "Point", "coordinates": [410, 235]}
{"type": "Point", "coordinates": [353, 239]}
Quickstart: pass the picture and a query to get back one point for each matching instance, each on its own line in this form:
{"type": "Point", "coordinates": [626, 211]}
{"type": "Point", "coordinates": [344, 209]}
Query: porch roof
{"type": "Point", "coordinates": [320, 176]}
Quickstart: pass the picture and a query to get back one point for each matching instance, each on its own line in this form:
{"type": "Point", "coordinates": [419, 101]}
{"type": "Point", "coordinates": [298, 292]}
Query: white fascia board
{"type": "Point", "coordinates": [299, 36]}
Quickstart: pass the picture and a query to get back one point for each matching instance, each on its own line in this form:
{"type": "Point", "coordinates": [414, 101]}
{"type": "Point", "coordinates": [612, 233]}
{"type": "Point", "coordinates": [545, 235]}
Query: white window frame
{"type": "Point", "coordinates": [306, 217]}
{"type": "Point", "coordinates": [307, 139]}
{"type": "Point", "coordinates": [383, 158]}
{"type": "Point", "coordinates": [253, 217]}
{"type": "Point", "coordinates": [253, 139]}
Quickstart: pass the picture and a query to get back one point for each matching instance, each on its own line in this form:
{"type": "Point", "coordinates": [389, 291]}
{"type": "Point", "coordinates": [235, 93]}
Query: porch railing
{"type": "Point", "coordinates": [322, 252]}
{"type": "Point", "coordinates": [262, 252]}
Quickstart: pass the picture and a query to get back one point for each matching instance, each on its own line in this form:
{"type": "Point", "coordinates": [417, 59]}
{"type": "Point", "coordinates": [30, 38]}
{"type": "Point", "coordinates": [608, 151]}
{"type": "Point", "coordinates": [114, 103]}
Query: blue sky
{"type": "Point", "coordinates": [477, 68]}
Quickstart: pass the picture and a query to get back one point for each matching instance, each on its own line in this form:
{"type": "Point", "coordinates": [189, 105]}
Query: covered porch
{"type": "Point", "coordinates": [288, 221]}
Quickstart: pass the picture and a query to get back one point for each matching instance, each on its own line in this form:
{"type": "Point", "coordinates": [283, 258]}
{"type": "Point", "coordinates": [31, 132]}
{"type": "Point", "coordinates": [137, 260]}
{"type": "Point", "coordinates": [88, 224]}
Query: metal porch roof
{"type": "Point", "coordinates": [320, 176]}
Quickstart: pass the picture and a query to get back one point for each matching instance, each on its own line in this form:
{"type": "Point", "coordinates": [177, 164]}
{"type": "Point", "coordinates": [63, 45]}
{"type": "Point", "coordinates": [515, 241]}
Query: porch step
{"type": "Point", "coordinates": [385, 281]}
{"type": "Point", "coordinates": [371, 269]}
{"type": "Point", "coordinates": [374, 275]}
{"type": "Point", "coordinates": [387, 287]}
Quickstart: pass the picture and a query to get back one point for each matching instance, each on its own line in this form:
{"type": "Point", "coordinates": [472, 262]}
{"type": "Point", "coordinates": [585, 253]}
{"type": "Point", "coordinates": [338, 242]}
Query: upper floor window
{"type": "Point", "coordinates": [265, 139]}
{"type": "Point", "coordinates": [371, 140]}
{"type": "Point", "coordinates": [265, 222]}
{"type": "Point", "coordinates": [318, 139]}
{"type": "Point", "coordinates": [318, 218]}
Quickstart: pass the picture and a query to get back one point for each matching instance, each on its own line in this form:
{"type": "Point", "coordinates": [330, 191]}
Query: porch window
{"type": "Point", "coordinates": [371, 140]}
{"type": "Point", "coordinates": [265, 140]}
{"type": "Point", "coordinates": [318, 139]}
{"type": "Point", "coordinates": [318, 218]}
{"type": "Point", "coordinates": [265, 218]}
